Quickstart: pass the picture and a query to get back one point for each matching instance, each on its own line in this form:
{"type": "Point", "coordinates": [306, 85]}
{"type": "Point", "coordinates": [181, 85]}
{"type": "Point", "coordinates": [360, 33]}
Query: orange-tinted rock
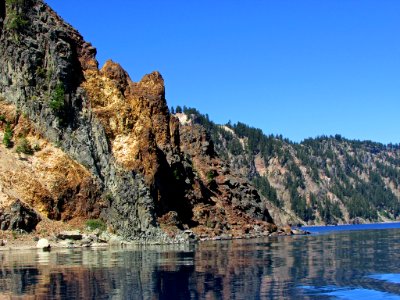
{"type": "Point", "coordinates": [115, 72]}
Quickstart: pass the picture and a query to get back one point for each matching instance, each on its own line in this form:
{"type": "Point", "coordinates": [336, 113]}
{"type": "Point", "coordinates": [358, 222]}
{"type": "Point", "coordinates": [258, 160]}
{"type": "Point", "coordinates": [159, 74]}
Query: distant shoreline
{"type": "Point", "coordinates": [330, 225]}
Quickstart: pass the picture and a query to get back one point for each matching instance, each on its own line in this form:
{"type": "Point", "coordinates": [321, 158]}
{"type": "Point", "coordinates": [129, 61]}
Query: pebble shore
{"type": "Point", "coordinates": [97, 239]}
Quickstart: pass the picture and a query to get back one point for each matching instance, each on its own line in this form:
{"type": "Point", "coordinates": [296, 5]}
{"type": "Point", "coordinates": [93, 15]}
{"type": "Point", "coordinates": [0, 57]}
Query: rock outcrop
{"type": "Point", "coordinates": [222, 201]}
{"type": "Point", "coordinates": [18, 216]}
{"type": "Point", "coordinates": [145, 168]}
{"type": "Point", "coordinates": [46, 178]}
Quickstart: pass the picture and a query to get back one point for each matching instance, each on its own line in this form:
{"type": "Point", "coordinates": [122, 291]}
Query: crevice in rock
{"type": "Point", "coordinates": [2, 14]}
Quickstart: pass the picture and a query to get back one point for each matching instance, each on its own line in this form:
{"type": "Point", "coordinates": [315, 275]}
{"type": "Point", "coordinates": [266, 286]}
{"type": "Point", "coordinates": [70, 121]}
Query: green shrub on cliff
{"type": "Point", "coordinates": [16, 22]}
{"type": "Point", "coordinates": [24, 146]}
{"type": "Point", "coordinates": [210, 175]}
{"type": "Point", "coordinates": [57, 98]}
{"type": "Point", "coordinates": [57, 101]}
{"type": "Point", "coordinates": [16, 19]}
{"type": "Point", "coordinates": [7, 136]}
{"type": "Point", "coordinates": [93, 224]}
{"type": "Point", "coordinates": [15, 2]}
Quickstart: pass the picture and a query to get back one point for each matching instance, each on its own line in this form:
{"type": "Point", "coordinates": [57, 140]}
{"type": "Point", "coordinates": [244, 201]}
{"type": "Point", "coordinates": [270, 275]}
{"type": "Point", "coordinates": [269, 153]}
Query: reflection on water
{"type": "Point", "coordinates": [339, 265]}
{"type": "Point", "coordinates": [393, 278]}
{"type": "Point", "coordinates": [350, 293]}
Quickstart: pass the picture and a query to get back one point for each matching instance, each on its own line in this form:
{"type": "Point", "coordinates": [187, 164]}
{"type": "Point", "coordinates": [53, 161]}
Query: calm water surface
{"type": "Point", "coordinates": [334, 265]}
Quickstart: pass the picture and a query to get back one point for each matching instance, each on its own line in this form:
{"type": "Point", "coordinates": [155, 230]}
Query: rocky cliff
{"type": "Point", "coordinates": [325, 180]}
{"type": "Point", "coordinates": [95, 144]}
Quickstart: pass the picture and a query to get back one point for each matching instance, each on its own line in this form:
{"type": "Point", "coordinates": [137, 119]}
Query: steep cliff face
{"type": "Point", "coordinates": [222, 201]}
{"type": "Point", "coordinates": [43, 67]}
{"type": "Point", "coordinates": [42, 175]}
{"type": "Point", "coordinates": [178, 163]}
{"type": "Point", "coordinates": [144, 169]}
{"type": "Point", "coordinates": [326, 180]}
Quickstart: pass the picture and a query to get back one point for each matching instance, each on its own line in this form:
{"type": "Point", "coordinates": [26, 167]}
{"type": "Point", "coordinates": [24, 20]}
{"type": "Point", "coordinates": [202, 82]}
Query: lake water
{"type": "Point", "coordinates": [338, 264]}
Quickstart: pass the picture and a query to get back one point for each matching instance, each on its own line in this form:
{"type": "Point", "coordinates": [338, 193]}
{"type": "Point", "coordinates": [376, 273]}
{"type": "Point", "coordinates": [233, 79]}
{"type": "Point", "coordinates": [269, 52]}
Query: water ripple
{"type": "Point", "coordinates": [349, 293]}
{"type": "Point", "coordinates": [392, 278]}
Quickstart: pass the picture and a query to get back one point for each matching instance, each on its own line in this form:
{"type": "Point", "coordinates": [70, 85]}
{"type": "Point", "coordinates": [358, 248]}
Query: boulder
{"type": "Point", "coordinates": [115, 241]}
{"type": "Point", "coordinates": [287, 229]}
{"type": "Point", "coordinates": [190, 235]}
{"type": "Point", "coordinates": [43, 244]}
{"type": "Point", "coordinates": [357, 220]}
{"type": "Point", "coordinates": [299, 232]}
{"type": "Point", "coordinates": [18, 216]}
{"type": "Point", "coordinates": [70, 235]}
{"type": "Point", "coordinates": [66, 244]}
{"type": "Point", "coordinates": [86, 242]}
{"type": "Point", "coordinates": [104, 237]}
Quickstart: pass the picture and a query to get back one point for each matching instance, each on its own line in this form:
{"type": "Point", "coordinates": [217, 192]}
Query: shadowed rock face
{"type": "Point", "coordinates": [18, 216]}
{"type": "Point", "coordinates": [2, 14]}
{"type": "Point", "coordinates": [144, 163]}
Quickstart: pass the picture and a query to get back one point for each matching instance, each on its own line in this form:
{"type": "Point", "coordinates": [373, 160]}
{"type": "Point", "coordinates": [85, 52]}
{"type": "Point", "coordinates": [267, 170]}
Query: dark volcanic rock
{"type": "Point", "coordinates": [36, 58]}
{"type": "Point", "coordinates": [18, 216]}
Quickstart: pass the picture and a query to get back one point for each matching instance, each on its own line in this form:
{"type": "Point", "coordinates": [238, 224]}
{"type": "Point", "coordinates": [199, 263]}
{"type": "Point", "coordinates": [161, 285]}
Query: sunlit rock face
{"type": "Point", "coordinates": [124, 157]}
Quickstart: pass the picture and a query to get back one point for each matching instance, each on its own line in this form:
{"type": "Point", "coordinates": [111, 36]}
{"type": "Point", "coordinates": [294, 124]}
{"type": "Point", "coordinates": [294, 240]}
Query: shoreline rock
{"type": "Point", "coordinates": [43, 244]}
{"type": "Point", "coordinates": [107, 240]}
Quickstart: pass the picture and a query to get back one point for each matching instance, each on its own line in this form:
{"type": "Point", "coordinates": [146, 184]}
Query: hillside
{"type": "Point", "coordinates": [325, 180]}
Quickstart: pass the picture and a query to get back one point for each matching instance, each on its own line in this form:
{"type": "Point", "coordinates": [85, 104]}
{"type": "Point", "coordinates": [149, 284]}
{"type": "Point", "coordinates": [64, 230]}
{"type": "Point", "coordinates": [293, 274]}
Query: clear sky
{"type": "Point", "coordinates": [296, 68]}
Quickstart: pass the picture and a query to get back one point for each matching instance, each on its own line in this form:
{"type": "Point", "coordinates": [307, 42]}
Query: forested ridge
{"type": "Point", "coordinates": [322, 180]}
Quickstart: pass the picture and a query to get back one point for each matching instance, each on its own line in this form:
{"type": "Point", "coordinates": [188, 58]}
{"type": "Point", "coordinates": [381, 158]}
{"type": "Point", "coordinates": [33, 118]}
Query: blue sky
{"type": "Point", "coordinates": [296, 68]}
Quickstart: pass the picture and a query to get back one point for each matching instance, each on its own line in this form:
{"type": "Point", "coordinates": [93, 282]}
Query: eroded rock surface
{"type": "Point", "coordinates": [18, 216]}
